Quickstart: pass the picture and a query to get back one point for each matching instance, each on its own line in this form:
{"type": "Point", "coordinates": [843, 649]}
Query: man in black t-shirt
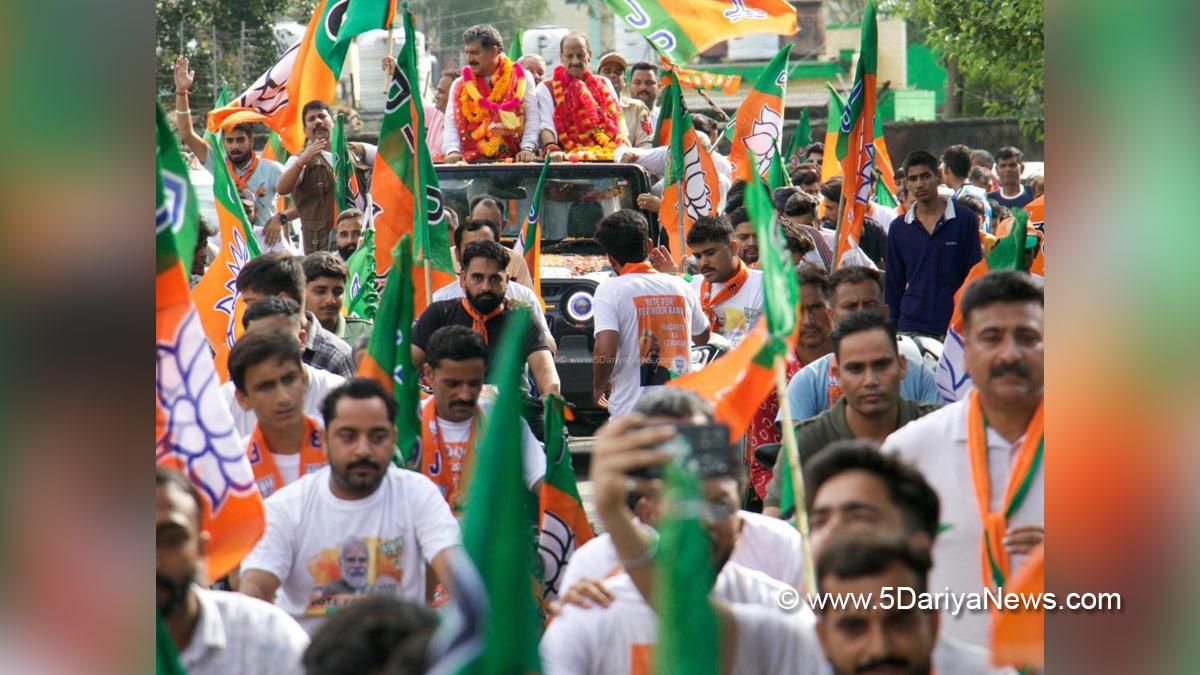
{"type": "Point", "coordinates": [485, 310]}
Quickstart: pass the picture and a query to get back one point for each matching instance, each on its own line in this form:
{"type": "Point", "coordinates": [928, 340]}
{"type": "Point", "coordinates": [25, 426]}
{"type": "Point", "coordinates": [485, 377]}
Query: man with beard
{"type": "Point", "coordinates": [353, 565]}
{"type": "Point", "coordinates": [269, 379]}
{"type": "Point", "coordinates": [744, 236]}
{"type": "Point", "coordinates": [485, 310]}
{"type": "Point", "coordinates": [730, 293]}
{"type": "Point", "coordinates": [456, 361]}
{"type": "Point", "coordinates": [643, 85]}
{"type": "Point", "coordinates": [214, 632]}
{"type": "Point", "coordinates": [325, 293]}
{"type": "Point", "coordinates": [246, 169]}
{"type": "Point", "coordinates": [399, 514]}
{"type": "Point", "coordinates": [308, 177]}
{"type": "Point", "coordinates": [347, 232]}
{"type": "Point", "coordinates": [637, 114]}
{"type": "Point", "coordinates": [492, 114]}
{"type": "Point", "coordinates": [984, 453]}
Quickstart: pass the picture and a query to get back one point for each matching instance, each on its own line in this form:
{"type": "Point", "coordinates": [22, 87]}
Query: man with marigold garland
{"type": "Point", "coordinates": [492, 114]}
{"type": "Point", "coordinates": [580, 112]}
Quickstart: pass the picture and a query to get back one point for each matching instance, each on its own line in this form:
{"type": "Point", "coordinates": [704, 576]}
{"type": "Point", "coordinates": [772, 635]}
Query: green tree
{"type": "Point", "coordinates": [443, 21]}
{"type": "Point", "coordinates": [995, 49]}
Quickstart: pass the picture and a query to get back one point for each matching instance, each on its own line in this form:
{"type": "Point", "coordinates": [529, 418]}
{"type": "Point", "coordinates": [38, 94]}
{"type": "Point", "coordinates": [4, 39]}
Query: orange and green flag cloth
{"type": "Point", "coordinates": [856, 146]}
{"type": "Point", "coordinates": [361, 290]}
{"type": "Point", "coordinates": [681, 29]}
{"type": "Point", "coordinates": [307, 71]}
{"type": "Point", "coordinates": [389, 352]}
{"type": "Point", "coordinates": [404, 187]}
{"type": "Point", "coordinates": [194, 431]}
{"type": "Point", "coordinates": [758, 125]}
{"type": "Point", "coordinates": [690, 78]}
{"type": "Point", "coordinates": [562, 520]}
{"type": "Point", "coordinates": [218, 301]}
{"type": "Point", "coordinates": [831, 162]}
{"type": "Point", "coordinates": [345, 180]}
{"type": "Point", "coordinates": [529, 241]}
{"type": "Point", "coordinates": [800, 139]}
{"type": "Point", "coordinates": [691, 188]}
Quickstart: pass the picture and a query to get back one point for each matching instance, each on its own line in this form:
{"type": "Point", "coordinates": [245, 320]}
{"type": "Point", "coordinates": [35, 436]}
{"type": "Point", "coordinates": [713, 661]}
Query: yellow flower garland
{"type": "Point", "coordinates": [487, 139]}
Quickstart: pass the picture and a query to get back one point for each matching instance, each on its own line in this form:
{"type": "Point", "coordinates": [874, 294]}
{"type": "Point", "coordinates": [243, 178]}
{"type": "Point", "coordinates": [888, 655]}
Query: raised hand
{"type": "Point", "coordinates": [183, 76]}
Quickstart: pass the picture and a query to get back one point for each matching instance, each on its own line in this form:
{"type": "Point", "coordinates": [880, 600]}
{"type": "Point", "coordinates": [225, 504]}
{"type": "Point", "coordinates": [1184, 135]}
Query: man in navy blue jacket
{"type": "Point", "coordinates": [930, 249]}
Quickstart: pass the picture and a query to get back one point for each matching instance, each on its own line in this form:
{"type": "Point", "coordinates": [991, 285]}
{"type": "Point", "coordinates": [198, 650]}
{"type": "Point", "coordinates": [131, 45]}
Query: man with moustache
{"type": "Point", "coordinates": [637, 114]}
{"type": "Point", "coordinates": [579, 113]}
{"type": "Point", "coordinates": [730, 293]}
{"type": "Point", "coordinates": [643, 85]}
{"type": "Point", "coordinates": [485, 311]}
{"type": "Point", "coordinates": [399, 514]}
{"type": "Point", "coordinates": [308, 177]}
{"type": "Point", "coordinates": [353, 565]}
{"type": "Point", "coordinates": [984, 454]}
{"type": "Point", "coordinates": [347, 232]}
{"type": "Point", "coordinates": [215, 632]}
{"type": "Point", "coordinates": [455, 365]}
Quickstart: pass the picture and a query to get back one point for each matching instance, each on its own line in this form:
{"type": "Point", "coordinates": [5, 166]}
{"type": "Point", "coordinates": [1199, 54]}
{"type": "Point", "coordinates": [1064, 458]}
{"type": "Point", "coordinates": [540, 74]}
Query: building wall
{"type": "Point", "coordinates": [893, 48]}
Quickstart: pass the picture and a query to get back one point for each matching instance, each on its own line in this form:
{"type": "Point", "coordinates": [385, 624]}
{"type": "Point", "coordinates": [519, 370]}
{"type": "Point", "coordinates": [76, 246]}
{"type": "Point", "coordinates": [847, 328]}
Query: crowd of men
{"type": "Point", "coordinates": [901, 489]}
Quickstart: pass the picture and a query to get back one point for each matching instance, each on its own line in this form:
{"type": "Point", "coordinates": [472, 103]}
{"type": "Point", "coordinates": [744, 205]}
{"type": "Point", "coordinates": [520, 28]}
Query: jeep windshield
{"type": "Point", "coordinates": [575, 198]}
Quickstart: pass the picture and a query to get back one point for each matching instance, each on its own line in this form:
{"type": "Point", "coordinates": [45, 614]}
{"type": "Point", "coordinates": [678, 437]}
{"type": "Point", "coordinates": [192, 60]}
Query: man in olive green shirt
{"type": "Point", "coordinates": [324, 294]}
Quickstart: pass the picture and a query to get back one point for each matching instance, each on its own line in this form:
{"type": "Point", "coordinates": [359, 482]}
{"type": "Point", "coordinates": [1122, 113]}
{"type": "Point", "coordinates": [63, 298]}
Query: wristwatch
{"type": "Point", "coordinates": [283, 219]}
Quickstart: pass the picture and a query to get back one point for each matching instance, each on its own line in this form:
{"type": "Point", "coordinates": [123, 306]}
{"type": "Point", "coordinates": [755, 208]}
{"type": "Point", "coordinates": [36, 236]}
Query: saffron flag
{"type": "Point", "coordinates": [801, 137]}
{"type": "Point", "coordinates": [361, 288]}
{"type": "Point", "coordinates": [388, 360]}
{"type": "Point", "coordinates": [529, 241]}
{"type": "Point", "coordinates": [345, 181]}
{"type": "Point", "coordinates": [856, 146]}
{"type": "Point", "coordinates": [193, 428]}
{"type": "Point", "coordinates": [666, 112]}
{"type": "Point", "coordinates": [830, 164]}
{"type": "Point", "coordinates": [953, 380]}
{"type": "Point", "coordinates": [404, 187]}
{"type": "Point", "coordinates": [307, 71]}
{"type": "Point", "coordinates": [563, 523]}
{"type": "Point", "coordinates": [687, 635]}
{"type": "Point", "coordinates": [691, 188]}
{"type": "Point", "coordinates": [758, 126]}
{"type": "Point", "coordinates": [1019, 637]}
{"type": "Point", "coordinates": [499, 517]}
{"type": "Point", "coordinates": [274, 149]}
{"type": "Point", "coordinates": [218, 301]}
{"type": "Point", "coordinates": [690, 78]}
{"type": "Point", "coordinates": [681, 29]}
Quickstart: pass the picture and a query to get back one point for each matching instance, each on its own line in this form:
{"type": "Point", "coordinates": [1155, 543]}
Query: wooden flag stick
{"type": "Point", "coordinates": [793, 457]}
{"type": "Point", "coordinates": [714, 106]}
{"type": "Point", "coordinates": [428, 282]}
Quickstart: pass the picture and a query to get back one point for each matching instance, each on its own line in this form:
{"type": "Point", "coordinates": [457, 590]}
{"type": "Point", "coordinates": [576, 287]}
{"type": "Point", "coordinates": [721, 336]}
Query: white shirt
{"type": "Point", "coordinates": [655, 160]}
{"type": "Point", "coordinates": [936, 444]}
{"type": "Point", "coordinates": [514, 291]}
{"type": "Point", "coordinates": [655, 315]}
{"type": "Point", "coordinates": [529, 133]}
{"type": "Point", "coordinates": [320, 383]}
{"type": "Point", "coordinates": [545, 105]}
{"type": "Point", "coordinates": [608, 641]}
{"type": "Point", "coordinates": [774, 642]}
{"type": "Point", "coordinates": [288, 465]}
{"type": "Point", "coordinates": [533, 455]}
{"type": "Point", "coordinates": [767, 545]}
{"type": "Point", "coordinates": [736, 315]}
{"type": "Point", "coordinates": [402, 526]}
{"type": "Point", "coordinates": [236, 633]}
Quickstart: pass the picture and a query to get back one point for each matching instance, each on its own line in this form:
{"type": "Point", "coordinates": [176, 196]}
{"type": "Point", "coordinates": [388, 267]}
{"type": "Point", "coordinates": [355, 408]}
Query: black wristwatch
{"type": "Point", "coordinates": [283, 219]}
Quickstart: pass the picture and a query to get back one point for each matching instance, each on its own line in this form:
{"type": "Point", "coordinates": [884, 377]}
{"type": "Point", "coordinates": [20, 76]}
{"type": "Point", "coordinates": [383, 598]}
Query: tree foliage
{"type": "Point", "coordinates": [997, 47]}
{"type": "Point", "coordinates": [443, 21]}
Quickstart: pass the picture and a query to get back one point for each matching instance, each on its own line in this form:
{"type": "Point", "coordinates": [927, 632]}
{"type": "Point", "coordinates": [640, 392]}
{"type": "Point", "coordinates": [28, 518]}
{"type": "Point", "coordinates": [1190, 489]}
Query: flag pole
{"type": "Point", "coordinates": [682, 215]}
{"type": "Point", "coordinates": [714, 106]}
{"type": "Point", "coordinates": [428, 281]}
{"type": "Point", "coordinates": [793, 457]}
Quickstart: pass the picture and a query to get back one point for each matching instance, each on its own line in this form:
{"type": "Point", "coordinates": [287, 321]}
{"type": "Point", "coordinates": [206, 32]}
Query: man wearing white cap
{"type": "Point", "coordinates": [637, 115]}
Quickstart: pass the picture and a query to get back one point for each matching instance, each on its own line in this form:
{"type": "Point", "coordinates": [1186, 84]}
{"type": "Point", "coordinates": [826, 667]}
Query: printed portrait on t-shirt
{"type": "Point", "coordinates": [663, 338]}
{"type": "Point", "coordinates": [356, 567]}
{"type": "Point", "coordinates": [735, 322]}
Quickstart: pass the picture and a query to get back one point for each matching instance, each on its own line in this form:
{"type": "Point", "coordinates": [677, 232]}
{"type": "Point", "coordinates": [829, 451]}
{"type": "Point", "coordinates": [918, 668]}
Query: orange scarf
{"type": "Point", "coordinates": [731, 289]}
{"type": "Point", "coordinates": [437, 464]}
{"type": "Point", "coordinates": [643, 267]}
{"type": "Point", "coordinates": [241, 179]}
{"type": "Point", "coordinates": [479, 321]}
{"type": "Point", "coordinates": [1020, 477]}
{"type": "Point", "coordinates": [266, 474]}
{"type": "Point", "coordinates": [835, 389]}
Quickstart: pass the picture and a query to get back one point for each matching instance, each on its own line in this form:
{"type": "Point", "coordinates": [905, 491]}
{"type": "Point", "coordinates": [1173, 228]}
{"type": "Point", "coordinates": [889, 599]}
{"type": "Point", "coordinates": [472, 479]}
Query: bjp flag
{"type": "Point", "coordinates": [856, 145]}
{"type": "Point", "coordinates": [758, 126]}
{"type": "Point", "coordinates": [681, 29]}
{"type": "Point", "coordinates": [307, 71]}
{"type": "Point", "coordinates": [691, 188]}
{"type": "Point", "coordinates": [194, 431]}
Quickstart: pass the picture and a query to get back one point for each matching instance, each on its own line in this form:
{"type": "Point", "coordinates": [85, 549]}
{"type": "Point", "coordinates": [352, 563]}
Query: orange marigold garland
{"type": "Point", "coordinates": [585, 116]}
{"type": "Point", "coordinates": [490, 118]}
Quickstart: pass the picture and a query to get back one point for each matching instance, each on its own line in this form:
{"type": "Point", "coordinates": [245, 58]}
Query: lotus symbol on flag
{"type": "Point", "coordinates": [764, 136]}
{"type": "Point", "coordinates": [696, 192]}
{"type": "Point", "coordinates": [556, 544]}
{"type": "Point", "coordinates": [269, 93]}
{"type": "Point", "coordinates": [200, 431]}
{"type": "Point", "coordinates": [740, 11]}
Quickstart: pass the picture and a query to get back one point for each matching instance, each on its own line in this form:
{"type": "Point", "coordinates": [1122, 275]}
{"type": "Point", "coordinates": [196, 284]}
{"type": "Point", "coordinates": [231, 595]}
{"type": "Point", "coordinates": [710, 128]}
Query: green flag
{"type": "Point", "coordinates": [389, 353]}
{"type": "Point", "coordinates": [801, 137]}
{"type": "Point", "coordinates": [777, 177]}
{"type": "Point", "coordinates": [496, 527]}
{"type": "Point", "coordinates": [687, 632]}
{"type": "Point", "coordinates": [175, 205]}
{"type": "Point", "coordinates": [780, 287]}
{"type": "Point", "coordinates": [166, 657]}
{"type": "Point", "coordinates": [864, 76]}
{"type": "Point", "coordinates": [274, 149]}
{"type": "Point", "coordinates": [344, 180]}
{"type": "Point", "coordinates": [360, 286]}
{"type": "Point", "coordinates": [514, 49]}
{"type": "Point", "coordinates": [564, 523]}
{"type": "Point", "coordinates": [787, 492]}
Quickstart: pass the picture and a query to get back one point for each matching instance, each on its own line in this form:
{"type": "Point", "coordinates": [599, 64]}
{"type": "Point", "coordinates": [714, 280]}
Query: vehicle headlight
{"type": "Point", "coordinates": [579, 306]}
